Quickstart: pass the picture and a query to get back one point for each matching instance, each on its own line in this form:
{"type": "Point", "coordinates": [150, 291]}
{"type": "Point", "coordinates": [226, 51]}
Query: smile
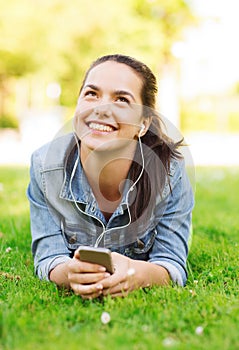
{"type": "Point", "coordinates": [100, 127]}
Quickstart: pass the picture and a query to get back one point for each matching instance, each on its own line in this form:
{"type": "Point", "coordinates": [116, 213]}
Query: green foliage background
{"type": "Point", "coordinates": [58, 39]}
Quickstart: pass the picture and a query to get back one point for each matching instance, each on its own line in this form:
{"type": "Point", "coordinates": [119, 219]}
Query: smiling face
{"type": "Point", "coordinates": [109, 110]}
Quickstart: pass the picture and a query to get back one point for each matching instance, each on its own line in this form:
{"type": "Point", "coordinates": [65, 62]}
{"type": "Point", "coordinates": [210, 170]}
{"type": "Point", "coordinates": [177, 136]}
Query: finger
{"type": "Point", "coordinates": [87, 278]}
{"type": "Point", "coordinates": [121, 289]}
{"type": "Point", "coordinates": [114, 280]}
{"type": "Point", "coordinates": [77, 254]}
{"type": "Point", "coordinates": [87, 290]}
{"type": "Point", "coordinates": [78, 266]}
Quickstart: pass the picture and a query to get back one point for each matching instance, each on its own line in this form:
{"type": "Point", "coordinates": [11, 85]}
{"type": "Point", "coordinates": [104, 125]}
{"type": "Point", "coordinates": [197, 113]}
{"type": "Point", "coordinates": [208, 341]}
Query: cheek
{"type": "Point", "coordinates": [128, 131]}
{"type": "Point", "coordinates": [81, 113]}
{"type": "Point", "coordinates": [83, 107]}
{"type": "Point", "coordinates": [129, 116]}
{"type": "Point", "coordinates": [78, 124]}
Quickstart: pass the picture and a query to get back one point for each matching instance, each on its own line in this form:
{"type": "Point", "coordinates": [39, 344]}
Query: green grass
{"type": "Point", "coordinates": [35, 315]}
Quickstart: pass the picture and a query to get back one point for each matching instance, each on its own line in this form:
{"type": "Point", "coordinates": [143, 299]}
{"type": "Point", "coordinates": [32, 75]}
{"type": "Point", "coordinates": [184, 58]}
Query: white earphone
{"type": "Point", "coordinates": [141, 130]}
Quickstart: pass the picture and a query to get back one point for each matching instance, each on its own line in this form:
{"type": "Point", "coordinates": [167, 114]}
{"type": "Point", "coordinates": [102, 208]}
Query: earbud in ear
{"type": "Point", "coordinates": [142, 127]}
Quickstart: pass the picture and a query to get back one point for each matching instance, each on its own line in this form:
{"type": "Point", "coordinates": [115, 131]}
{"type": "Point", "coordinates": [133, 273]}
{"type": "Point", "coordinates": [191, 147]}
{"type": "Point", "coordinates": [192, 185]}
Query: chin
{"type": "Point", "coordinates": [119, 146]}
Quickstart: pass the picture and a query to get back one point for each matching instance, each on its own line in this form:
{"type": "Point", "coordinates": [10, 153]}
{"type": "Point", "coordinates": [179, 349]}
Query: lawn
{"type": "Point", "coordinates": [203, 315]}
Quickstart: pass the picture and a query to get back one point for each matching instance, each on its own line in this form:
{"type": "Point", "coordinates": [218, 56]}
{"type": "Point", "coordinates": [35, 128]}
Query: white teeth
{"type": "Point", "coordinates": [100, 127]}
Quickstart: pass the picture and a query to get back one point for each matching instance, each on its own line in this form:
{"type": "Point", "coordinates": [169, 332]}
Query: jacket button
{"type": "Point", "coordinates": [72, 239]}
{"type": "Point", "coordinates": [140, 243]}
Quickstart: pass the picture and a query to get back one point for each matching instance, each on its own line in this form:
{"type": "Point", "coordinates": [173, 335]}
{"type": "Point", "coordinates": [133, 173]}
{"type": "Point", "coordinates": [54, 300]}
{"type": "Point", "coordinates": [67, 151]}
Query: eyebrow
{"type": "Point", "coordinates": [94, 87]}
{"type": "Point", "coordinates": [123, 92]}
{"type": "Point", "coordinates": [116, 92]}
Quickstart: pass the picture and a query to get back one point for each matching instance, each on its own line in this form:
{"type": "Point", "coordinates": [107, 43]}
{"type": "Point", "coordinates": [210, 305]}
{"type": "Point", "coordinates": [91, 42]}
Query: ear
{"type": "Point", "coordinates": [144, 126]}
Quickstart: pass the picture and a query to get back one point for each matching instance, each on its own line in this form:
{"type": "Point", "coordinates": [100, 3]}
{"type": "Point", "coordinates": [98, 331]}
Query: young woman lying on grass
{"type": "Point", "coordinates": [117, 182]}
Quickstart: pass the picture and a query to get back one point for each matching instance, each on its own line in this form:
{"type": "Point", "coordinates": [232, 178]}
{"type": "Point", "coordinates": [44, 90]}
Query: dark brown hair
{"type": "Point", "coordinates": [155, 141]}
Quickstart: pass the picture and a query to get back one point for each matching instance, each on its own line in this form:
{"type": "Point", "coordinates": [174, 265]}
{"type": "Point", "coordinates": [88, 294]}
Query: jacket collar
{"type": "Point", "coordinates": [75, 186]}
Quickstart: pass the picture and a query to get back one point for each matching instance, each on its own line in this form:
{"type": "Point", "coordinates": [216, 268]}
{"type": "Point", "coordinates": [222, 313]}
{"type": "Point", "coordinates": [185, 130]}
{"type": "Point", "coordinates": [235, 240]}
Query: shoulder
{"type": "Point", "coordinates": [53, 154]}
{"type": "Point", "coordinates": [181, 179]}
{"type": "Point", "coordinates": [177, 167]}
{"type": "Point", "coordinates": [178, 176]}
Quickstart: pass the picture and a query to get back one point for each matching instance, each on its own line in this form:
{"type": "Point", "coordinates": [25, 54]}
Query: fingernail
{"type": "Point", "coordinates": [99, 287]}
{"type": "Point", "coordinates": [102, 269]}
{"type": "Point", "coordinates": [107, 274]}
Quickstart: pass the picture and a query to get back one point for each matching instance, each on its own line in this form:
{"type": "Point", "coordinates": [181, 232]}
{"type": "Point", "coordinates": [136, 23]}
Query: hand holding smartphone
{"type": "Point", "coordinates": [100, 256]}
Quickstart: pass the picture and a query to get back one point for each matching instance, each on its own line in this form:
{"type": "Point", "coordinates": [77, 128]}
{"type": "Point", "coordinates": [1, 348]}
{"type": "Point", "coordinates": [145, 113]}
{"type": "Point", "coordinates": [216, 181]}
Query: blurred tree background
{"type": "Point", "coordinates": [46, 41]}
{"type": "Point", "coordinates": [46, 46]}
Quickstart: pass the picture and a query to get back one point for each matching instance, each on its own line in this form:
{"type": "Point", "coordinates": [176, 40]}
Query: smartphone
{"type": "Point", "coordinates": [100, 256]}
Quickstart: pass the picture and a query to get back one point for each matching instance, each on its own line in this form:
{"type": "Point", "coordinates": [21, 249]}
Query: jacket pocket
{"type": "Point", "coordinates": [76, 234]}
{"type": "Point", "coordinates": [140, 249]}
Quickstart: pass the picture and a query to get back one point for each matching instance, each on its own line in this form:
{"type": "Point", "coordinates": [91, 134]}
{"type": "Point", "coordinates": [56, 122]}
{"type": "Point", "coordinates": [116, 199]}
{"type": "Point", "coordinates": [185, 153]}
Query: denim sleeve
{"type": "Point", "coordinates": [48, 247]}
{"type": "Point", "coordinates": [170, 248]}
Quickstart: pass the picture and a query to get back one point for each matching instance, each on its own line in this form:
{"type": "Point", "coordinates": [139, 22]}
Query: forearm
{"type": "Point", "coordinates": [149, 274]}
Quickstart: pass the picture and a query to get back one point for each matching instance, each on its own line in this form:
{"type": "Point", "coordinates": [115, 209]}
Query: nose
{"type": "Point", "coordinates": [103, 110]}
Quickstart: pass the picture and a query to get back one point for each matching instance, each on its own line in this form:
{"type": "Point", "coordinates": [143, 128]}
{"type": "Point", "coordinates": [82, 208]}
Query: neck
{"type": "Point", "coordinates": [106, 172]}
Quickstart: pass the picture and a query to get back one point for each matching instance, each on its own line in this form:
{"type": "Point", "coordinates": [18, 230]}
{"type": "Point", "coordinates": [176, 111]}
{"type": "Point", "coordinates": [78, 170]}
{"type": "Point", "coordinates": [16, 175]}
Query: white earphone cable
{"type": "Point", "coordinates": [126, 197]}
{"type": "Point", "coordinates": [127, 202]}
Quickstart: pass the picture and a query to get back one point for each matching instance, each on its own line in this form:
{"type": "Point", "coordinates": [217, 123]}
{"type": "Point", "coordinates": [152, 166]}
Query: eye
{"type": "Point", "coordinates": [122, 99]}
{"type": "Point", "coordinates": [90, 93]}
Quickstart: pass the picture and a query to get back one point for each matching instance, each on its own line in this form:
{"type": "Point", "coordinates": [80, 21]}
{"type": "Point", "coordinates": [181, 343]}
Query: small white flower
{"type": "Point", "coordinates": [105, 317]}
{"type": "Point", "coordinates": [192, 292]}
{"type": "Point", "coordinates": [169, 341]}
{"type": "Point", "coordinates": [195, 281]}
{"type": "Point", "coordinates": [199, 330]}
{"type": "Point", "coordinates": [145, 328]}
{"type": "Point", "coordinates": [8, 249]}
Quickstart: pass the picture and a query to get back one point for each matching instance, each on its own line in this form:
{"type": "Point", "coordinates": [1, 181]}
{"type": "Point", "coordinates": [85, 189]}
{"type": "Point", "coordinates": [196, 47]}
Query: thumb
{"type": "Point", "coordinates": [77, 254]}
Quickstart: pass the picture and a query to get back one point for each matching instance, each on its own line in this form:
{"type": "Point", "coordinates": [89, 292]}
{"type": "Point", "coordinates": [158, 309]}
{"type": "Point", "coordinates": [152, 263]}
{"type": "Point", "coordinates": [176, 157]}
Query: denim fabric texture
{"type": "Point", "coordinates": [65, 215]}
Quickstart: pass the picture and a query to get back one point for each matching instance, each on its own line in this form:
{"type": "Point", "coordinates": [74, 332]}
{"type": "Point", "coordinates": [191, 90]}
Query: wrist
{"type": "Point", "coordinates": [59, 274]}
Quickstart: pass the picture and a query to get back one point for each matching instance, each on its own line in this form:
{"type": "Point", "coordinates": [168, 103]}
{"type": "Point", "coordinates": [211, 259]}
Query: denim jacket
{"type": "Point", "coordinates": [65, 214]}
